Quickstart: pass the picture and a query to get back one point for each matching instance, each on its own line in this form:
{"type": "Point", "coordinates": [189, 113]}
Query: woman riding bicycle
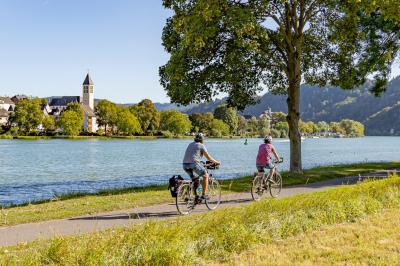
{"type": "Point", "coordinates": [191, 161]}
{"type": "Point", "coordinates": [264, 154]}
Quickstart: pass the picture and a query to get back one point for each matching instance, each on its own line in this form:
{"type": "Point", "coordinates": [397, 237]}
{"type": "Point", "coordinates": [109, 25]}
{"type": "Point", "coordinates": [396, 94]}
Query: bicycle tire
{"type": "Point", "coordinates": [257, 188]}
{"type": "Point", "coordinates": [185, 199]}
{"type": "Point", "coordinates": [275, 184]}
{"type": "Point", "coordinates": [214, 193]}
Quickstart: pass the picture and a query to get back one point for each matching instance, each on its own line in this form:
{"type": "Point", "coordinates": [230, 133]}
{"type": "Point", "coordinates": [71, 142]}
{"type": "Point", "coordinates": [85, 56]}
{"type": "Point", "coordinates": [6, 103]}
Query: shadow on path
{"type": "Point", "coordinates": [146, 215]}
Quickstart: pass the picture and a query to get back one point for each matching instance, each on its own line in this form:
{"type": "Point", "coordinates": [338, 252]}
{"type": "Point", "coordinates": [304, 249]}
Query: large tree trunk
{"type": "Point", "coordinates": [293, 102]}
{"type": "Point", "coordinates": [293, 118]}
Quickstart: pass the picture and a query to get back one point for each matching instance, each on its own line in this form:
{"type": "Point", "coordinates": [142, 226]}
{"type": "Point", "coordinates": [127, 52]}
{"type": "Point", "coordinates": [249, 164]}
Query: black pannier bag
{"type": "Point", "coordinates": [174, 183]}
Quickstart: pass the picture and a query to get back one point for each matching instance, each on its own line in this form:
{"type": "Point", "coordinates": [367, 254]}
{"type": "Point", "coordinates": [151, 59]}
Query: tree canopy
{"type": "Point", "coordinates": [71, 119]}
{"type": "Point", "coordinates": [175, 122]}
{"type": "Point", "coordinates": [148, 115]}
{"type": "Point", "coordinates": [27, 115]}
{"type": "Point", "coordinates": [240, 47]}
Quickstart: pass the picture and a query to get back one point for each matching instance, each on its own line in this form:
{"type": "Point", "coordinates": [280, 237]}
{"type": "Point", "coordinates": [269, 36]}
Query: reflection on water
{"type": "Point", "coordinates": [41, 169]}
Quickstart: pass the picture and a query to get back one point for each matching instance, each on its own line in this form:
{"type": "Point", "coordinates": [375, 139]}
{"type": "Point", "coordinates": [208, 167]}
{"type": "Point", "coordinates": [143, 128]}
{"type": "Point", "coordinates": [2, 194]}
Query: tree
{"type": "Point", "coordinates": [126, 122]}
{"type": "Point", "coordinates": [106, 114]}
{"type": "Point", "coordinates": [27, 115]}
{"type": "Point", "coordinates": [252, 125]}
{"type": "Point", "coordinates": [283, 128]}
{"type": "Point", "coordinates": [234, 47]}
{"type": "Point", "coordinates": [264, 126]}
{"type": "Point", "coordinates": [242, 125]}
{"type": "Point", "coordinates": [228, 115]}
{"type": "Point", "coordinates": [336, 128]}
{"type": "Point", "coordinates": [219, 128]}
{"type": "Point", "coordinates": [175, 122]}
{"type": "Point", "coordinates": [48, 123]}
{"type": "Point", "coordinates": [71, 120]}
{"type": "Point", "coordinates": [148, 115]}
{"type": "Point", "coordinates": [312, 127]}
{"type": "Point", "coordinates": [201, 121]}
{"type": "Point", "coordinates": [323, 127]}
{"type": "Point", "coordinates": [352, 128]}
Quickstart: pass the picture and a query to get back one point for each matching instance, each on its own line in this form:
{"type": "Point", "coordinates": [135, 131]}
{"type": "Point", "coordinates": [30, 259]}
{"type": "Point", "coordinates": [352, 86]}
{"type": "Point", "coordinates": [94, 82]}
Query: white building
{"type": "Point", "coordinates": [6, 107]}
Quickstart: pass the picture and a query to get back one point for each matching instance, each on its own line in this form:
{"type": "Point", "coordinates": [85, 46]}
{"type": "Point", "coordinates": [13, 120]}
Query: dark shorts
{"type": "Point", "coordinates": [194, 168]}
{"type": "Point", "coordinates": [261, 167]}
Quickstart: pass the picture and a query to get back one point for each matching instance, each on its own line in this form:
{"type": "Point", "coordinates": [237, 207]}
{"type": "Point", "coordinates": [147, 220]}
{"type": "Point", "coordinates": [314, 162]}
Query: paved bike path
{"type": "Point", "coordinates": [13, 235]}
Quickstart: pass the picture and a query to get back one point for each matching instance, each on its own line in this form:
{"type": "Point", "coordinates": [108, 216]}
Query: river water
{"type": "Point", "coordinates": [40, 169]}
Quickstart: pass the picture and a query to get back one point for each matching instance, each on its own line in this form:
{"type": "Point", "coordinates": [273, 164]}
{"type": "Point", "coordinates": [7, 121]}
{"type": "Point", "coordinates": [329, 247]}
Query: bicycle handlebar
{"type": "Point", "coordinates": [278, 162]}
{"type": "Point", "coordinates": [210, 165]}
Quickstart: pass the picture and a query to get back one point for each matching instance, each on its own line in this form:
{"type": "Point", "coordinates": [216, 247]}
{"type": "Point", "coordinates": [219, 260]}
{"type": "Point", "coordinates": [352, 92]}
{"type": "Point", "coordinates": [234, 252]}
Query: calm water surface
{"type": "Point", "coordinates": [41, 169]}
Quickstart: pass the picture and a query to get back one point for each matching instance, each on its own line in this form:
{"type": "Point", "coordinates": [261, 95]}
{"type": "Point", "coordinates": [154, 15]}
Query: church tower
{"type": "Point", "coordinates": [88, 95]}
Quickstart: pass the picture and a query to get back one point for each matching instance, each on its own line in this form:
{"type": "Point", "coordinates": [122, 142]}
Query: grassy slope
{"type": "Point", "coordinates": [74, 205]}
{"type": "Point", "coordinates": [213, 236]}
{"type": "Point", "coordinates": [372, 241]}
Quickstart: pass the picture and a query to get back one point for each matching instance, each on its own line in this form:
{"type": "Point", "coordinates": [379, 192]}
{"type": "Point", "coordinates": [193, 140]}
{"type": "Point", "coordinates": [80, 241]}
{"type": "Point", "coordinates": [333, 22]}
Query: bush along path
{"type": "Point", "coordinates": [12, 235]}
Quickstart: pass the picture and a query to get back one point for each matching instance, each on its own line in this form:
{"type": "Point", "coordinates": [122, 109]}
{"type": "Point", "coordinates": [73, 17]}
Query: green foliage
{"type": "Point", "coordinates": [27, 115]}
{"type": "Point", "coordinates": [71, 120]}
{"type": "Point", "coordinates": [126, 122]}
{"type": "Point", "coordinates": [323, 126]}
{"type": "Point", "coordinates": [283, 128]}
{"type": "Point", "coordinates": [147, 114]}
{"type": "Point", "coordinates": [106, 114]}
{"type": "Point", "coordinates": [242, 125]}
{"type": "Point", "coordinates": [219, 128]}
{"type": "Point", "coordinates": [201, 121]}
{"type": "Point", "coordinates": [336, 128]}
{"type": "Point", "coordinates": [227, 47]}
{"type": "Point", "coordinates": [175, 122]}
{"type": "Point", "coordinates": [228, 115]}
{"type": "Point", "coordinates": [48, 123]}
{"type": "Point", "coordinates": [352, 128]}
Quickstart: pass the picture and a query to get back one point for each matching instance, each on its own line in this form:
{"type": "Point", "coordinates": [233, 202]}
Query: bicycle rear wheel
{"type": "Point", "coordinates": [185, 199]}
{"type": "Point", "coordinates": [275, 184]}
{"type": "Point", "coordinates": [214, 193]}
{"type": "Point", "coordinates": [257, 187]}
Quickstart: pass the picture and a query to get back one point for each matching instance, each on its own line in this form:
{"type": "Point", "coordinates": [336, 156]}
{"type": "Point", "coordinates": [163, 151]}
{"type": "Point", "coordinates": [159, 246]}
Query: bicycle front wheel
{"type": "Point", "coordinates": [185, 199]}
{"type": "Point", "coordinates": [214, 193]}
{"type": "Point", "coordinates": [275, 184]}
{"type": "Point", "coordinates": [257, 188]}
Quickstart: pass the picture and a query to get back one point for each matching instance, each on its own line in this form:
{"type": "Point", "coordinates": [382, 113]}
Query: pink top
{"type": "Point", "coordinates": [264, 153]}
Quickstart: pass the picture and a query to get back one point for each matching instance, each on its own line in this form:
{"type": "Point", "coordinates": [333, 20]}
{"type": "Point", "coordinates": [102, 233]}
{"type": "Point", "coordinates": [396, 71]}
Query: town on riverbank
{"type": "Point", "coordinates": [71, 116]}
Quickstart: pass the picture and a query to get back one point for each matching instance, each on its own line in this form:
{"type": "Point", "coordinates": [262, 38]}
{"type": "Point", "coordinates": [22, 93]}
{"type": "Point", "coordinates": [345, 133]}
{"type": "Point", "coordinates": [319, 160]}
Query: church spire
{"type": "Point", "coordinates": [88, 80]}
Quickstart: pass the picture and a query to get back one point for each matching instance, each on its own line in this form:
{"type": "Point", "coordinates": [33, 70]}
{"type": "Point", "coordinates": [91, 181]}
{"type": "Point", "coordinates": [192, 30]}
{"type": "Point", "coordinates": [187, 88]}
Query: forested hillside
{"type": "Point", "coordinates": [381, 115]}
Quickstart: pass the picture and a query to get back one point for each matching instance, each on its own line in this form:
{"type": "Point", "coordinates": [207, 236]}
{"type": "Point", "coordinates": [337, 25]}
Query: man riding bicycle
{"type": "Point", "coordinates": [264, 154]}
{"type": "Point", "coordinates": [192, 161]}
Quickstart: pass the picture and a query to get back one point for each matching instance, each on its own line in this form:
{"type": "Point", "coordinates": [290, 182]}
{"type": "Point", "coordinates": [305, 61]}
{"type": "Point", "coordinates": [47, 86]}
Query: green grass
{"type": "Point", "coordinates": [213, 236]}
{"type": "Point", "coordinates": [316, 174]}
{"type": "Point", "coordinates": [374, 240]}
{"type": "Point", "coordinates": [71, 205]}
{"type": "Point", "coordinates": [6, 136]}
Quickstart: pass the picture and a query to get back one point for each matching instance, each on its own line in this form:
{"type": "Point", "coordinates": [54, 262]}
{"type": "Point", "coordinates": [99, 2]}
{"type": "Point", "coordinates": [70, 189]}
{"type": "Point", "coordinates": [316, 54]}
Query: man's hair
{"type": "Point", "coordinates": [199, 137]}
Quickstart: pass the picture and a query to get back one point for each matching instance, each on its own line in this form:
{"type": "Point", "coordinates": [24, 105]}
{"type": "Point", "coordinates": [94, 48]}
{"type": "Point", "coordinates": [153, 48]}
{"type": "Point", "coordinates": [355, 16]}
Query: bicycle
{"type": "Point", "coordinates": [263, 182]}
{"type": "Point", "coordinates": [187, 195]}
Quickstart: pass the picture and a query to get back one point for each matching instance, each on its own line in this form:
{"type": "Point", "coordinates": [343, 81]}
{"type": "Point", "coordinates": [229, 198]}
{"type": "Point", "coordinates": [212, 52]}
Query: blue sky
{"type": "Point", "coordinates": [46, 47]}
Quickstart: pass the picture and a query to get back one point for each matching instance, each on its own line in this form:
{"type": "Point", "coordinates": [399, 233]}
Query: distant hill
{"type": "Point", "coordinates": [381, 115]}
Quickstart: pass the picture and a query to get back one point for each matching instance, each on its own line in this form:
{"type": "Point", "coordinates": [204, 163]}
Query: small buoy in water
{"type": "Point", "coordinates": [245, 142]}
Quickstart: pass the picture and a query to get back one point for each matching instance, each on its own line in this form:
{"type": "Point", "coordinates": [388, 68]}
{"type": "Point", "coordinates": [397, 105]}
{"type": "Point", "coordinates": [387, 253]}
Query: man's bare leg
{"type": "Point", "coordinates": [205, 183]}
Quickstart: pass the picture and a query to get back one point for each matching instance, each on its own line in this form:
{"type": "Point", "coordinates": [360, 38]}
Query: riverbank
{"type": "Point", "coordinates": [107, 137]}
{"type": "Point", "coordinates": [222, 233]}
{"type": "Point", "coordinates": [72, 205]}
